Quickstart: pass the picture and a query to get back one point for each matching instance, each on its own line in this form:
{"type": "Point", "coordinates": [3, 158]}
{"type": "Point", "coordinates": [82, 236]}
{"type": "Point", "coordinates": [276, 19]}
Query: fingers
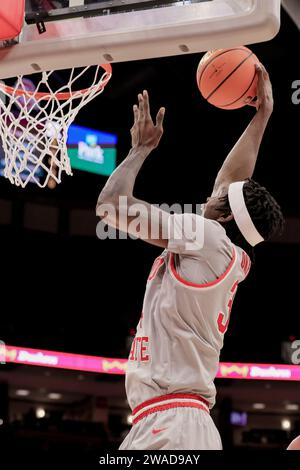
{"type": "Point", "coordinates": [160, 117]}
{"type": "Point", "coordinates": [262, 72]}
{"type": "Point", "coordinates": [252, 103]}
{"type": "Point", "coordinates": [142, 111]}
{"type": "Point", "coordinates": [138, 110]}
{"type": "Point", "coordinates": [259, 70]}
{"type": "Point", "coordinates": [146, 105]}
{"type": "Point", "coordinates": [264, 88]}
{"type": "Point", "coordinates": [265, 72]}
{"type": "Point", "coordinates": [264, 82]}
{"type": "Point", "coordinates": [135, 113]}
{"type": "Point", "coordinates": [141, 106]}
{"type": "Point", "coordinates": [261, 80]}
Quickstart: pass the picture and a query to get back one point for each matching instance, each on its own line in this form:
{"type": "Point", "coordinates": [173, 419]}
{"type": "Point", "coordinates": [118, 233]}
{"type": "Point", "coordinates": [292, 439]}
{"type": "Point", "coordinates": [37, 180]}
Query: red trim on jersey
{"type": "Point", "coordinates": [170, 396]}
{"type": "Point", "coordinates": [175, 404]}
{"type": "Point", "coordinates": [200, 286]}
{"type": "Point", "coordinates": [249, 266]}
{"type": "Point", "coordinates": [158, 262]}
{"type": "Point", "coordinates": [246, 263]}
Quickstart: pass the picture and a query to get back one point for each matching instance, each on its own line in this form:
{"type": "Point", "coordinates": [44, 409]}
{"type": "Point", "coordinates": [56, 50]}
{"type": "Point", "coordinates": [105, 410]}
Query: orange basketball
{"type": "Point", "coordinates": [227, 77]}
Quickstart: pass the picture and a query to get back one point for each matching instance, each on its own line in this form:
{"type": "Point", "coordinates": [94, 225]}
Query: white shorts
{"type": "Point", "coordinates": [173, 422]}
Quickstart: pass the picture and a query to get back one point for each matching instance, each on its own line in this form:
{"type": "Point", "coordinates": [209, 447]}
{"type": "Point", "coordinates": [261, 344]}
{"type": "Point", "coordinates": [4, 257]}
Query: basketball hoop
{"type": "Point", "coordinates": [34, 129]}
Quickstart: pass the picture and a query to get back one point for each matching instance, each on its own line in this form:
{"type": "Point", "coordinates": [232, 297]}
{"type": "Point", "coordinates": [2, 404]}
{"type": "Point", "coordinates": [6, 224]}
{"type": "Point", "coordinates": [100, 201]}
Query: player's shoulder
{"type": "Point", "coordinates": [215, 226]}
{"type": "Point", "coordinates": [194, 218]}
{"type": "Point", "coordinates": [243, 261]}
{"type": "Point", "coordinates": [215, 236]}
{"type": "Point", "coordinates": [192, 234]}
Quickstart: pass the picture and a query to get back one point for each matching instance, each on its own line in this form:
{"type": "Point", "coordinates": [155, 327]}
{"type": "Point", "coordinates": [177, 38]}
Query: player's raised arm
{"type": "Point", "coordinates": [241, 161]}
{"type": "Point", "coordinates": [116, 204]}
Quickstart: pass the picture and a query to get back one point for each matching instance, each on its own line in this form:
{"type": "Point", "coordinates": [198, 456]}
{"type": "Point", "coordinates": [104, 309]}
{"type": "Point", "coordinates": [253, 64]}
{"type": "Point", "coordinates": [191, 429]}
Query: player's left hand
{"type": "Point", "coordinates": [144, 132]}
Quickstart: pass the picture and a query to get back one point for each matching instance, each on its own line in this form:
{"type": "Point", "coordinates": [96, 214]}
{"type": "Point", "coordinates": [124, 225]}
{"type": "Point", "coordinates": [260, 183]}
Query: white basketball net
{"type": "Point", "coordinates": [34, 128]}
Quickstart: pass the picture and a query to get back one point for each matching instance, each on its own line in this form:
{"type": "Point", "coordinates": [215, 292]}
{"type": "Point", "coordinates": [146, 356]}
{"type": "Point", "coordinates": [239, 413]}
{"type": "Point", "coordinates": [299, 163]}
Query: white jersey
{"type": "Point", "coordinates": [185, 315]}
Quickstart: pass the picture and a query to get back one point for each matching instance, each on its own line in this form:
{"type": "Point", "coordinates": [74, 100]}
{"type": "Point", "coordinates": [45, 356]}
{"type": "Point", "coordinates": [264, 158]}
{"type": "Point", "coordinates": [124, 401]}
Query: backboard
{"type": "Point", "coordinates": [61, 34]}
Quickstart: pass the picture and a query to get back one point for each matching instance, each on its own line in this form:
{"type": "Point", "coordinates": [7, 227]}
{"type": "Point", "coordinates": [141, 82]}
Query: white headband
{"type": "Point", "coordinates": [241, 214]}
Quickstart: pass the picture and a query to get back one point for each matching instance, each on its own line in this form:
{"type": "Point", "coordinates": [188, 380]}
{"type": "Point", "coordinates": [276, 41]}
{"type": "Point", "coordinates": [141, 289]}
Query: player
{"type": "Point", "coordinates": [190, 290]}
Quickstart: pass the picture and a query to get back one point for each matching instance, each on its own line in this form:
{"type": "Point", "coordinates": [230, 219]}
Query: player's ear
{"type": "Point", "coordinates": [224, 220]}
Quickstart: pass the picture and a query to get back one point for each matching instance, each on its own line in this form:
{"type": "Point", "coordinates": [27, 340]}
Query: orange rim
{"type": "Point", "coordinates": [59, 96]}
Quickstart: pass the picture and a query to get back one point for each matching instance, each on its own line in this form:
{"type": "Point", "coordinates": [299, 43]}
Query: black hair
{"type": "Point", "coordinates": [264, 211]}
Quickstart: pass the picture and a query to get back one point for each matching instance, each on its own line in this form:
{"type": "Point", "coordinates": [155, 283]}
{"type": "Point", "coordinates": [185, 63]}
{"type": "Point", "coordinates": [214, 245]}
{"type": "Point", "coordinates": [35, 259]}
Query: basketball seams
{"type": "Point", "coordinates": [230, 75]}
{"type": "Point", "coordinates": [235, 101]}
{"type": "Point", "coordinates": [219, 55]}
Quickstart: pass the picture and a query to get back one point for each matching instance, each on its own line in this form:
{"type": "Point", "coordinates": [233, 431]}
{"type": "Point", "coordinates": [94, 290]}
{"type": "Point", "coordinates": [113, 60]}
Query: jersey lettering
{"type": "Point", "coordinates": [139, 349]}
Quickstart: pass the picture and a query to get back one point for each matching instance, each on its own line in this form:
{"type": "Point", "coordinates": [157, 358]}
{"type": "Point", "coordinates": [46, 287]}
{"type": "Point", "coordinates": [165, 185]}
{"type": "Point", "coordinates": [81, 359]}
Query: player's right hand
{"type": "Point", "coordinates": [265, 101]}
{"type": "Point", "coordinates": [144, 132]}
